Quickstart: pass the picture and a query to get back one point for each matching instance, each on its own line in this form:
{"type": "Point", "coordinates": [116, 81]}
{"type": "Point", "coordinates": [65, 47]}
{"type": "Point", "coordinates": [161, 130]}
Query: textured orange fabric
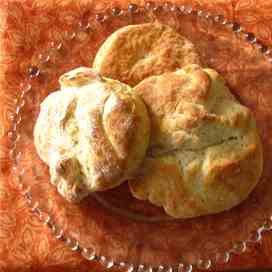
{"type": "Point", "coordinates": [25, 244]}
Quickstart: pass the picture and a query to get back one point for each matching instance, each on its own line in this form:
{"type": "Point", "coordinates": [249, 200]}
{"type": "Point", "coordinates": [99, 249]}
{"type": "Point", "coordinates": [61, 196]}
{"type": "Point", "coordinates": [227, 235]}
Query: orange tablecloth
{"type": "Point", "coordinates": [25, 244]}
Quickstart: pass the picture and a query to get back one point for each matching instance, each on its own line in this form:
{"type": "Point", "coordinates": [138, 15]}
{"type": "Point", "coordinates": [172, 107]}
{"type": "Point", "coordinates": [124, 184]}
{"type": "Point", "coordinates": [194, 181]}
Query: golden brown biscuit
{"type": "Point", "coordinates": [93, 133]}
{"type": "Point", "coordinates": [136, 52]}
{"type": "Point", "coordinates": [205, 154]}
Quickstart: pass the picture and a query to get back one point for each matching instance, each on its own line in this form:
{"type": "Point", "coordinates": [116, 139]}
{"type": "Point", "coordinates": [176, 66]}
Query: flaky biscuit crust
{"type": "Point", "coordinates": [205, 154]}
{"type": "Point", "coordinates": [93, 133]}
{"type": "Point", "coordinates": [136, 52]}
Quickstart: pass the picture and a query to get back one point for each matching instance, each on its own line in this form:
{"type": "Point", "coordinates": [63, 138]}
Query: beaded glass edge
{"type": "Point", "coordinates": [89, 253]}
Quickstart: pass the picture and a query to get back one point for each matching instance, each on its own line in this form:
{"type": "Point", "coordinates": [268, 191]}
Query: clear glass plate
{"type": "Point", "coordinates": [113, 227]}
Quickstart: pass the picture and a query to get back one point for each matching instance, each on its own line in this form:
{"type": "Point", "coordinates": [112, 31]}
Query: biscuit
{"type": "Point", "coordinates": [136, 52]}
{"type": "Point", "coordinates": [93, 133]}
{"type": "Point", "coordinates": [205, 154]}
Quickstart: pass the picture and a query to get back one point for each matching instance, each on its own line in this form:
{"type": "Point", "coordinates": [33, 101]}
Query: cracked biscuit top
{"type": "Point", "coordinates": [136, 52]}
{"type": "Point", "coordinates": [205, 154]}
{"type": "Point", "coordinates": [93, 133]}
